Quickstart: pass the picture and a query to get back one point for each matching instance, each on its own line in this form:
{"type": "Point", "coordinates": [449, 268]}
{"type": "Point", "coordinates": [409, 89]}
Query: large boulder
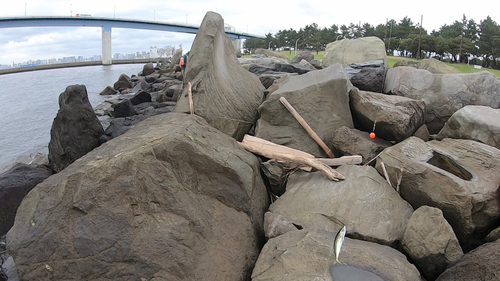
{"type": "Point", "coordinates": [367, 76]}
{"type": "Point", "coordinates": [14, 185]}
{"type": "Point", "coordinates": [349, 141]}
{"type": "Point", "coordinates": [460, 177]}
{"type": "Point", "coordinates": [396, 118]}
{"type": "Point", "coordinates": [224, 93]}
{"type": "Point", "coordinates": [474, 122]}
{"type": "Point", "coordinates": [313, 201]}
{"type": "Point", "coordinates": [431, 65]}
{"type": "Point", "coordinates": [348, 51]}
{"type": "Point", "coordinates": [308, 255]}
{"type": "Point", "coordinates": [148, 69]}
{"type": "Point", "coordinates": [269, 53]}
{"type": "Point", "coordinates": [443, 93]}
{"type": "Point", "coordinates": [321, 97]}
{"type": "Point", "coordinates": [172, 199]}
{"type": "Point", "coordinates": [123, 82]}
{"type": "Point", "coordinates": [430, 242]}
{"type": "Point", "coordinates": [481, 264]}
{"type": "Point", "coordinates": [304, 55]}
{"type": "Point", "coordinates": [75, 129]}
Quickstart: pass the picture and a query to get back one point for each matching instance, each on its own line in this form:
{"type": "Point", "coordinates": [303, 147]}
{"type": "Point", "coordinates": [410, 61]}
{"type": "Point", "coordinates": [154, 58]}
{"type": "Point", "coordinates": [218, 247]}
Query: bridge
{"type": "Point", "coordinates": [107, 23]}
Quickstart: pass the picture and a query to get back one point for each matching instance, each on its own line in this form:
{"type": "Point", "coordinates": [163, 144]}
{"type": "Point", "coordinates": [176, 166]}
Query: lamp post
{"type": "Point", "coordinates": [296, 46]}
{"type": "Point", "coordinates": [269, 46]}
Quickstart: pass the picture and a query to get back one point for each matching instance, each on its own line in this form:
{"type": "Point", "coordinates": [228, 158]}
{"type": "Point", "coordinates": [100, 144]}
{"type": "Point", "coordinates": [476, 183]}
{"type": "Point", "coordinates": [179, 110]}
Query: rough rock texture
{"type": "Point", "coordinates": [276, 225]}
{"type": "Point", "coordinates": [443, 93]}
{"type": "Point", "coordinates": [147, 69]}
{"type": "Point", "coordinates": [277, 68]}
{"type": "Point", "coordinates": [422, 133]}
{"type": "Point", "coordinates": [493, 235]}
{"type": "Point", "coordinates": [364, 202]}
{"type": "Point", "coordinates": [182, 201]}
{"type": "Point", "coordinates": [276, 176]}
{"type": "Point", "coordinates": [304, 55]}
{"type": "Point", "coordinates": [367, 76]}
{"type": "Point", "coordinates": [140, 97]}
{"type": "Point", "coordinates": [430, 242]}
{"type": "Point", "coordinates": [481, 264]}
{"type": "Point", "coordinates": [269, 53]}
{"type": "Point", "coordinates": [123, 109]}
{"type": "Point", "coordinates": [355, 142]}
{"type": "Point", "coordinates": [14, 185]}
{"type": "Point", "coordinates": [75, 129]}
{"type": "Point", "coordinates": [396, 118]}
{"type": "Point", "coordinates": [321, 97]}
{"type": "Point", "coordinates": [431, 65]}
{"type": "Point", "coordinates": [308, 255]}
{"type": "Point", "coordinates": [348, 51]}
{"type": "Point", "coordinates": [123, 83]}
{"type": "Point", "coordinates": [108, 91]}
{"type": "Point", "coordinates": [460, 177]}
{"type": "Point", "coordinates": [474, 122]}
{"type": "Point", "coordinates": [224, 93]}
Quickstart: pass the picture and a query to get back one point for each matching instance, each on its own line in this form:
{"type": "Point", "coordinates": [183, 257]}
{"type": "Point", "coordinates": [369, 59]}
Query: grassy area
{"type": "Point", "coordinates": [465, 68]}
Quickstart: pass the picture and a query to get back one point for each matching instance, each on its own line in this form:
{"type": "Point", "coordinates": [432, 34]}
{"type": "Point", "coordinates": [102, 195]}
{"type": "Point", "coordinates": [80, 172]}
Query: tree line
{"type": "Point", "coordinates": [463, 41]}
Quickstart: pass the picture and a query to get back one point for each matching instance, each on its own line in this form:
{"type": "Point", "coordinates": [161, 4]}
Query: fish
{"type": "Point", "coordinates": [337, 245]}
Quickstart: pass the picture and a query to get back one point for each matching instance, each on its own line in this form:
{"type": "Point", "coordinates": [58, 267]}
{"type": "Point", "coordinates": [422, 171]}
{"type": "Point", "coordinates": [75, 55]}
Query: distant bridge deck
{"type": "Point", "coordinates": [107, 23]}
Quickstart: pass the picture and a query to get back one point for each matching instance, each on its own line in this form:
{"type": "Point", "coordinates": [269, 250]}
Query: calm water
{"type": "Point", "coordinates": [29, 103]}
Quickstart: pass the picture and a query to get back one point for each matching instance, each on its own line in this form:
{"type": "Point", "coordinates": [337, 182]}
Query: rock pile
{"type": "Point", "coordinates": [174, 196]}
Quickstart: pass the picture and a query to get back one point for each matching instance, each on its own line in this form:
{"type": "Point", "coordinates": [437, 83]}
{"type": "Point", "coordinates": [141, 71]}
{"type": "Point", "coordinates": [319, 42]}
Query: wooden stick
{"type": "Point", "coordinates": [306, 127]}
{"type": "Point", "coordinates": [344, 160]}
{"type": "Point", "coordinates": [330, 173]}
{"type": "Point", "coordinates": [190, 98]}
{"type": "Point", "coordinates": [265, 145]}
{"type": "Point", "coordinates": [385, 173]}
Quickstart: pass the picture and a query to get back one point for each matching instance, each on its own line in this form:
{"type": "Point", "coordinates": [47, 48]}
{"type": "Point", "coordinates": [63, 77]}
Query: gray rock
{"type": "Point", "coordinates": [460, 177]}
{"type": "Point", "coordinates": [493, 235]}
{"type": "Point", "coordinates": [304, 55]}
{"type": "Point", "coordinates": [108, 91]}
{"type": "Point", "coordinates": [224, 93]}
{"type": "Point", "coordinates": [355, 142]}
{"type": "Point", "coordinates": [308, 255]}
{"type": "Point", "coordinates": [315, 202]}
{"type": "Point", "coordinates": [123, 109]}
{"type": "Point", "coordinates": [422, 133]}
{"type": "Point", "coordinates": [430, 242]}
{"type": "Point", "coordinates": [276, 225]}
{"type": "Point", "coordinates": [431, 65]}
{"type": "Point", "coordinates": [396, 117]}
{"type": "Point", "coordinates": [276, 176]}
{"type": "Point", "coordinates": [443, 94]}
{"type": "Point", "coordinates": [481, 264]}
{"type": "Point", "coordinates": [141, 85]}
{"type": "Point", "coordinates": [148, 69]}
{"type": "Point", "coordinates": [140, 97]}
{"type": "Point", "coordinates": [123, 82]}
{"type": "Point", "coordinates": [15, 183]}
{"type": "Point", "coordinates": [474, 122]}
{"type": "Point", "coordinates": [75, 129]}
{"type": "Point", "coordinates": [367, 76]}
{"type": "Point", "coordinates": [358, 50]}
{"type": "Point", "coordinates": [182, 189]}
{"type": "Point", "coordinates": [321, 97]}
{"type": "Point", "coordinates": [269, 53]}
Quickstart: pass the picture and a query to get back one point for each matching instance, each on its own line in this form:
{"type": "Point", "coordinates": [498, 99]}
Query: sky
{"type": "Point", "coordinates": [255, 17]}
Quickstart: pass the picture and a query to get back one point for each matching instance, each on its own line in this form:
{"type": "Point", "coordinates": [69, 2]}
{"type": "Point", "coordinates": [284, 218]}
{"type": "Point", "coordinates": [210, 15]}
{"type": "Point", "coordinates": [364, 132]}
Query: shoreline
{"type": "Point", "coordinates": [74, 64]}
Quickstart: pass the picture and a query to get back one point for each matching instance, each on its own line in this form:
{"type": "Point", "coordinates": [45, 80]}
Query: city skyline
{"type": "Point", "coordinates": [167, 51]}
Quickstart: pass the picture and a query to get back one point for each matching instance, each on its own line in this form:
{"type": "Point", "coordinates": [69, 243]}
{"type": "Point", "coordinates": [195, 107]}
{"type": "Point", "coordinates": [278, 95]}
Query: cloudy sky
{"type": "Point", "coordinates": [256, 17]}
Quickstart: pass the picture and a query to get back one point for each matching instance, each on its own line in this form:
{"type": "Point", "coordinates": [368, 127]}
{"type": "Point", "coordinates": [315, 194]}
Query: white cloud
{"type": "Point", "coordinates": [256, 17]}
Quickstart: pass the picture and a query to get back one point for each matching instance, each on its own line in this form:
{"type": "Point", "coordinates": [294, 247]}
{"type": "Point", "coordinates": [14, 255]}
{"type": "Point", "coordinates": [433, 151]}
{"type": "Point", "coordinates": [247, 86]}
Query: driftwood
{"type": "Point", "coordinates": [190, 98]}
{"type": "Point", "coordinates": [263, 148]}
{"type": "Point", "coordinates": [306, 126]}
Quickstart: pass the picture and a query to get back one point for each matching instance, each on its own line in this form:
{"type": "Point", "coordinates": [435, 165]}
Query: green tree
{"type": "Point", "coordinates": [489, 42]}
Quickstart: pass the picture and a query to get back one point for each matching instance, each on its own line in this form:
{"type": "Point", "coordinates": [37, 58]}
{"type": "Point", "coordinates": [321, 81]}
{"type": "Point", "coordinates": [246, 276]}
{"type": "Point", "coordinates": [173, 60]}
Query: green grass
{"type": "Point", "coordinates": [464, 68]}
